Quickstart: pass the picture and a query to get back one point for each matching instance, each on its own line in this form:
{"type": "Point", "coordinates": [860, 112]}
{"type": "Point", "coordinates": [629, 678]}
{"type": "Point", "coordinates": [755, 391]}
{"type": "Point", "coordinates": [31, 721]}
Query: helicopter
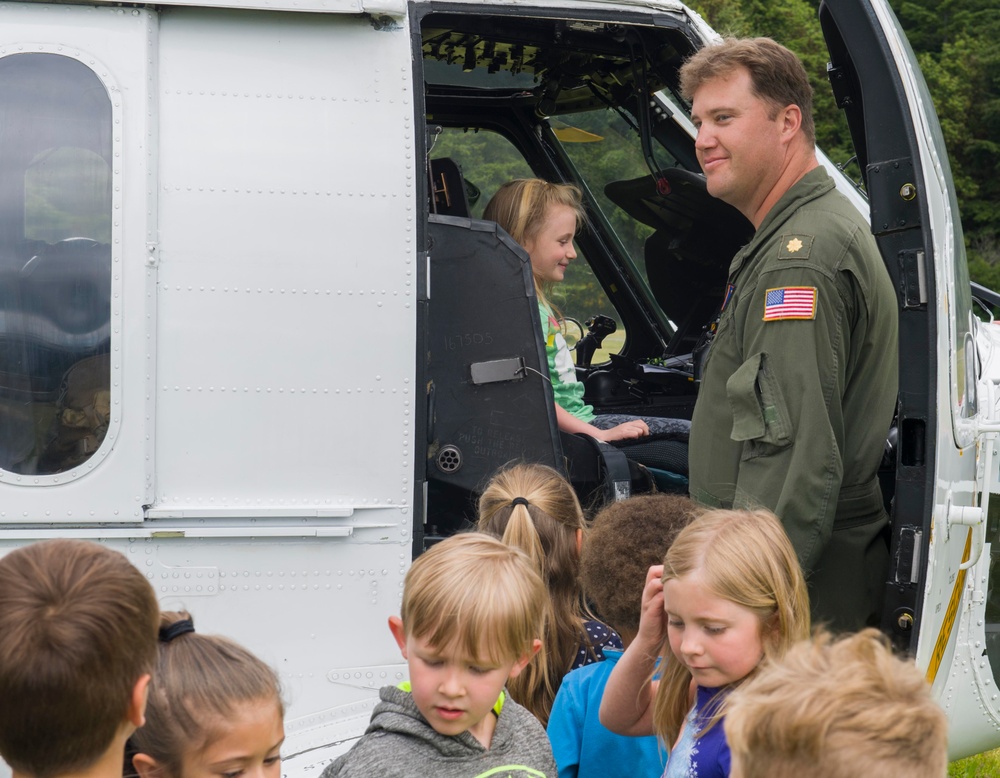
{"type": "Point", "coordinates": [255, 334]}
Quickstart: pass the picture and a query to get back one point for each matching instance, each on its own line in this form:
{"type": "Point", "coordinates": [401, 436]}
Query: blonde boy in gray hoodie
{"type": "Point", "coordinates": [473, 615]}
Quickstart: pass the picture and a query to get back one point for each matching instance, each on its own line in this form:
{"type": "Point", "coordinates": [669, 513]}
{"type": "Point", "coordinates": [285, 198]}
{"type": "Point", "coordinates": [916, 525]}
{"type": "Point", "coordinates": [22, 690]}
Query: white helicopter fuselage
{"type": "Point", "coordinates": [259, 302]}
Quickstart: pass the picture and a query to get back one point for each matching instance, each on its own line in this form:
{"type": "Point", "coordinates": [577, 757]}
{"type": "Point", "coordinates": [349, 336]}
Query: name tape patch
{"type": "Point", "coordinates": [790, 302]}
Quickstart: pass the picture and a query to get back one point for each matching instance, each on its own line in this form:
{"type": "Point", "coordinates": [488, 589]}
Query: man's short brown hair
{"type": "Point", "coordinates": [625, 540]}
{"type": "Point", "coordinates": [777, 75]}
{"type": "Point", "coordinates": [78, 626]}
{"type": "Point", "coordinates": [846, 708]}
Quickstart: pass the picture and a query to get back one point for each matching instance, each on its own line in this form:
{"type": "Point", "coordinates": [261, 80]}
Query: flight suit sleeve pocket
{"type": "Point", "coordinates": [760, 416]}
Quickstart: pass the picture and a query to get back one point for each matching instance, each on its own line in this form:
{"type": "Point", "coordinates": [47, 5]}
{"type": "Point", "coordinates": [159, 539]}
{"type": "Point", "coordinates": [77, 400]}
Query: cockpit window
{"type": "Point", "coordinates": [604, 148]}
{"type": "Point", "coordinates": [487, 160]}
{"type": "Point", "coordinates": [55, 263]}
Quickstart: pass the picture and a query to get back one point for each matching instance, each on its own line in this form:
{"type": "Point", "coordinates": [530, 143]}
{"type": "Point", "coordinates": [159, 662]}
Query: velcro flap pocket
{"type": "Point", "coordinates": [757, 404]}
{"type": "Point", "coordinates": [741, 388]}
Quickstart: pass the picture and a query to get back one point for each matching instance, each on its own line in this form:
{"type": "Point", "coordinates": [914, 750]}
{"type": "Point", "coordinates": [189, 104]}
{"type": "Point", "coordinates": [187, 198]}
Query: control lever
{"type": "Point", "coordinates": [598, 328]}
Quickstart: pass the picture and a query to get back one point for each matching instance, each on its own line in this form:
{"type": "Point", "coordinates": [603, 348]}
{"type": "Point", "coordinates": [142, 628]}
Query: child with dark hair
{"type": "Point", "coordinates": [625, 540]}
{"type": "Point", "coordinates": [214, 709]}
{"type": "Point", "coordinates": [77, 646]}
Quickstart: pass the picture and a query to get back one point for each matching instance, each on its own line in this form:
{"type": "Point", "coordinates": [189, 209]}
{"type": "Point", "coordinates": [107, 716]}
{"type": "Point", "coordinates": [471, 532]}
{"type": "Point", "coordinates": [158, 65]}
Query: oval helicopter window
{"type": "Point", "coordinates": [55, 263]}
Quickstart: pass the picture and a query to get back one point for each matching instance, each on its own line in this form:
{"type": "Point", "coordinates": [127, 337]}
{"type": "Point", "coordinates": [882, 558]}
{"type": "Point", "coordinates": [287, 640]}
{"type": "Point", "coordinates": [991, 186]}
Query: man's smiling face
{"type": "Point", "coordinates": [739, 144]}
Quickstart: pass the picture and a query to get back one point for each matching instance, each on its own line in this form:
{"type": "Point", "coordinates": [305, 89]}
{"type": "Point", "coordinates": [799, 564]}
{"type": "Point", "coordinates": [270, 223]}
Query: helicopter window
{"type": "Point", "coordinates": [603, 148]}
{"type": "Point", "coordinates": [488, 160]}
{"type": "Point", "coordinates": [67, 194]}
{"type": "Point", "coordinates": [55, 262]}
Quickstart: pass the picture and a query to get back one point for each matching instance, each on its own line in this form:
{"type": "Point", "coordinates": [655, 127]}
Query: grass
{"type": "Point", "coordinates": [979, 766]}
{"type": "Point", "coordinates": [613, 343]}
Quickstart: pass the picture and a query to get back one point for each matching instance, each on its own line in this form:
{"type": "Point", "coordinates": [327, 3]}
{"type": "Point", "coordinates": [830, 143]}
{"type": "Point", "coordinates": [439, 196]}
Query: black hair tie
{"type": "Point", "coordinates": [519, 501]}
{"type": "Point", "coordinates": [175, 630]}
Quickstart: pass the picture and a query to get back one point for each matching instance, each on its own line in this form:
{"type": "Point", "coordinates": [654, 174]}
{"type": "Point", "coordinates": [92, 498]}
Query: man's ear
{"type": "Point", "coordinates": [521, 663]}
{"type": "Point", "coordinates": [146, 766]}
{"type": "Point", "coordinates": [791, 120]}
{"type": "Point", "coordinates": [136, 712]}
{"type": "Point", "coordinates": [396, 628]}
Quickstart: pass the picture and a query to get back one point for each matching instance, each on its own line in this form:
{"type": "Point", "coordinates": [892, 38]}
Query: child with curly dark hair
{"type": "Point", "coordinates": [626, 539]}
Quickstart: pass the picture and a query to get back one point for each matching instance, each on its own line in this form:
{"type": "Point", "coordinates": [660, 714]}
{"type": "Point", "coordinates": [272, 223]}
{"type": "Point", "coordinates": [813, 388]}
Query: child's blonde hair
{"type": "Point", "coordinates": [198, 682]}
{"type": "Point", "coordinates": [521, 207]}
{"type": "Point", "coordinates": [544, 524]}
{"type": "Point", "coordinates": [744, 557]}
{"type": "Point", "coordinates": [848, 705]}
{"type": "Point", "coordinates": [472, 592]}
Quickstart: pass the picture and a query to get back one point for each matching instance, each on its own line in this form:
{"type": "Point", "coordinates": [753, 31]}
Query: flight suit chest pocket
{"type": "Point", "coordinates": [760, 415]}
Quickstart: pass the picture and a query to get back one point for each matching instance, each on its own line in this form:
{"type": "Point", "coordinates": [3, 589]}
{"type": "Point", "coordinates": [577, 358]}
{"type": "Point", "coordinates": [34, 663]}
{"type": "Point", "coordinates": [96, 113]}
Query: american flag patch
{"type": "Point", "coordinates": [790, 302]}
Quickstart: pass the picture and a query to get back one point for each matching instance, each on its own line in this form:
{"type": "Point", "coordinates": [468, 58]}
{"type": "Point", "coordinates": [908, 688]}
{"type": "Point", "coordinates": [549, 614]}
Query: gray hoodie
{"type": "Point", "coordinates": [399, 743]}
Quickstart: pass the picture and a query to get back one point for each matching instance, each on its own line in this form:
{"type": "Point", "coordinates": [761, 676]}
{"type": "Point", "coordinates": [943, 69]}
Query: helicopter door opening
{"type": "Point", "coordinates": [935, 597]}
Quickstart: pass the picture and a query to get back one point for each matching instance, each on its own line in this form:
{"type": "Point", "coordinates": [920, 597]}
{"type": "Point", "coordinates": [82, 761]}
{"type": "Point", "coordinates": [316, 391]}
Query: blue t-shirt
{"type": "Point", "coordinates": [706, 756]}
{"type": "Point", "coordinates": [582, 746]}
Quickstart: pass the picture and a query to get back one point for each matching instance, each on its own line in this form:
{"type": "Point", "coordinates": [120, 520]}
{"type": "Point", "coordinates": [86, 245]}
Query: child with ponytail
{"type": "Point", "coordinates": [214, 709]}
{"type": "Point", "coordinates": [533, 508]}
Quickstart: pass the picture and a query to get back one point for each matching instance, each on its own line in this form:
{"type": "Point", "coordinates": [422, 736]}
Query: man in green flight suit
{"type": "Point", "coordinates": [800, 380]}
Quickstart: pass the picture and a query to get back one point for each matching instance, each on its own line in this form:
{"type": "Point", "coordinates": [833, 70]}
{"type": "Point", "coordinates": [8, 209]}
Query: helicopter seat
{"type": "Point", "coordinates": [489, 398]}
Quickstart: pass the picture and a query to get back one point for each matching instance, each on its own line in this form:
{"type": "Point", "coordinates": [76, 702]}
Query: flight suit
{"type": "Point", "coordinates": [798, 392]}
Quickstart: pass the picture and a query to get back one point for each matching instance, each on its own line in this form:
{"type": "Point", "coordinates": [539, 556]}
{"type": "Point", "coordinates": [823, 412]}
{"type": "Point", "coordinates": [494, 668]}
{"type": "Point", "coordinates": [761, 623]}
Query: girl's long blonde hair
{"type": "Point", "coordinates": [521, 206]}
{"type": "Point", "coordinates": [546, 530]}
{"type": "Point", "coordinates": [744, 557]}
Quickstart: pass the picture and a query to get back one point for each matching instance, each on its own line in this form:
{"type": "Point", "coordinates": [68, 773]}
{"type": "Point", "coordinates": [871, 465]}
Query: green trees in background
{"type": "Point", "coordinates": [956, 45]}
